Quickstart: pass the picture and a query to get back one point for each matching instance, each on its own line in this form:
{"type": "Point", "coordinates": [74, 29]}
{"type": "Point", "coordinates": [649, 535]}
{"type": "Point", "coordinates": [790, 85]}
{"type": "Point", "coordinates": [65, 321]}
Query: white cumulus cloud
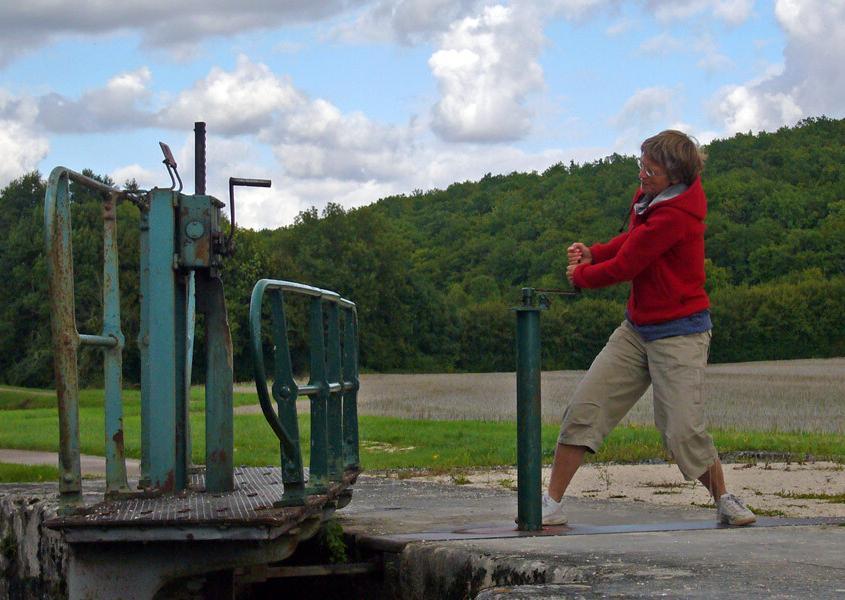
{"type": "Point", "coordinates": [310, 137]}
{"type": "Point", "coordinates": [162, 24]}
{"type": "Point", "coordinates": [811, 81]}
{"type": "Point", "coordinates": [239, 101]}
{"type": "Point", "coordinates": [486, 68]}
{"type": "Point", "coordinates": [646, 112]}
{"type": "Point", "coordinates": [731, 12]}
{"type": "Point", "coordinates": [21, 146]}
{"type": "Point", "coordinates": [120, 104]}
{"type": "Point", "coordinates": [405, 21]}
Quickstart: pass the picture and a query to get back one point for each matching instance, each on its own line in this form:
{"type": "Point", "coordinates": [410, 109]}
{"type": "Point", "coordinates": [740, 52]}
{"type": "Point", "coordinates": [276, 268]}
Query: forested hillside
{"type": "Point", "coordinates": [435, 273]}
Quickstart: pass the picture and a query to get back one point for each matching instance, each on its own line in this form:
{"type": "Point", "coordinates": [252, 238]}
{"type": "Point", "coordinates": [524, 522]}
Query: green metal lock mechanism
{"type": "Point", "coordinates": [198, 513]}
{"type": "Point", "coordinates": [200, 237]}
{"type": "Point", "coordinates": [183, 245]}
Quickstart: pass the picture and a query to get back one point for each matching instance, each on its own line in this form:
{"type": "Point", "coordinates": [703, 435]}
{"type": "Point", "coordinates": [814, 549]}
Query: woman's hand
{"type": "Point", "coordinates": [578, 254]}
{"type": "Point", "coordinates": [570, 274]}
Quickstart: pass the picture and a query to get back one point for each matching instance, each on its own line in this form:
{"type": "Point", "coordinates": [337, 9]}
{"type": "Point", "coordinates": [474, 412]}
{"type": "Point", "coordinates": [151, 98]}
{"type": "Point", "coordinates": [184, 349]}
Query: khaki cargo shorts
{"type": "Point", "coordinates": [621, 374]}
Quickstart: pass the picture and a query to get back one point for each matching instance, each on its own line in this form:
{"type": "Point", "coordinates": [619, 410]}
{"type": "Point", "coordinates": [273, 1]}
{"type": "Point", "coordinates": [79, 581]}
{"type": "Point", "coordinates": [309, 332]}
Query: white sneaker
{"type": "Point", "coordinates": [733, 511]}
{"type": "Point", "coordinates": [553, 511]}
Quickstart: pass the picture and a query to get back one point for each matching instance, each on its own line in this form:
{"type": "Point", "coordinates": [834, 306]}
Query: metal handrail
{"type": "Point", "coordinates": [67, 339]}
{"type": "Point", "coordinates": [332, 387]}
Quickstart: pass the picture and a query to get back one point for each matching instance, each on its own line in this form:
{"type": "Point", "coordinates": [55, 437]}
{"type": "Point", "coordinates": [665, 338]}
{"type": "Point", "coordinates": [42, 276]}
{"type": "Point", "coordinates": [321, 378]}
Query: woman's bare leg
{"type": "Point", "coordinates": [567, 460]}
{"type": "Point", "coordinates": [714, 480]}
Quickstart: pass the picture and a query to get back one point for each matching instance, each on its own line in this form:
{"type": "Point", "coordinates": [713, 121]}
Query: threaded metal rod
{"type": "Point", "coordinates": [199, 157]}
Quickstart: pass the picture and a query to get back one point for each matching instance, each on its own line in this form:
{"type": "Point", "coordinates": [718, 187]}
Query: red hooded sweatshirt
{"type": "Point", "coordinates": [662, 254]}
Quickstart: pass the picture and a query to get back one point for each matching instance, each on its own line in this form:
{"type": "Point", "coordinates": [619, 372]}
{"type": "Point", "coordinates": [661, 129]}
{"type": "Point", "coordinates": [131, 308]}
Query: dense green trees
{"type": "Point", "coordinates": [435, 273]}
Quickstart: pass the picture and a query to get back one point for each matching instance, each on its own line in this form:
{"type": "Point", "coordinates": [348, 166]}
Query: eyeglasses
{"type": "Point", "coordinates": [643, 169]}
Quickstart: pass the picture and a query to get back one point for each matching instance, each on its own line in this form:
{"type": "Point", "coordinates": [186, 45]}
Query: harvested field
{"type": "Point", "coordinates": [789, 396]}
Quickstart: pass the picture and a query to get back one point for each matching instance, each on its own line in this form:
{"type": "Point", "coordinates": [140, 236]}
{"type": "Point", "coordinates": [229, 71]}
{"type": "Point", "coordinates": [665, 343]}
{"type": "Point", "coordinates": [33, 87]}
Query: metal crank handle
{"type": "Point", "coordinates": [239, 181]}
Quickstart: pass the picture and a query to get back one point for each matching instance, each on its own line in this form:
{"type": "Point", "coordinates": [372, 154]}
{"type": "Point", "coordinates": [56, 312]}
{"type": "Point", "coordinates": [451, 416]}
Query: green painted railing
{"type": "Point", "coordinates": [332, 387]}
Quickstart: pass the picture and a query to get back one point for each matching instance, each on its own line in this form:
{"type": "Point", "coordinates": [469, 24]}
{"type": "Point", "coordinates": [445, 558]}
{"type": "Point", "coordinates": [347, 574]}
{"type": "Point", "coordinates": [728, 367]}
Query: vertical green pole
{"type": "Point", "coordinates": [350, 397]}
{"type": "Point", "coordinates": [335, 408]}
{"type": "Point", "coordinates": [161, 332]}
{"type": "Point", "coordinates": [285, 393]}
{"type": "Point", "coordinates": [528, 442]}
{"type": "Point", "coordinates": [319, 401]}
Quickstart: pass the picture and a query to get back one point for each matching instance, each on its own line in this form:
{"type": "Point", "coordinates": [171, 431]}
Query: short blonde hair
{"type": "Point", "coordinates": [678, 154]}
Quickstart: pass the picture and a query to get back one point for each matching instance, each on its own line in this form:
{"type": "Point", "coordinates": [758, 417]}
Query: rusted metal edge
{"type": "Point", "coordinates": [99, 535]}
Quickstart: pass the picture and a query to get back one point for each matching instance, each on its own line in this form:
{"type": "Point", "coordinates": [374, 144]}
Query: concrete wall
{"type": "Point", "coordinates": [33, 559]}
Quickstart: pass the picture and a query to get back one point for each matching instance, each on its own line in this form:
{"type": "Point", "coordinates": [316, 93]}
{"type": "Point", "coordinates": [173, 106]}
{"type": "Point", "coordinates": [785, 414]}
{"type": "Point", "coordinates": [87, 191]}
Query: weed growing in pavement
{"type": "Point", "coordinates": [832, 498]}
{"type": "Point", "coordinates": [604, 475]}
{"type": "Point", "coordinates": [766, 512]}
{"type": "Point", "coordinates": [508, 484]}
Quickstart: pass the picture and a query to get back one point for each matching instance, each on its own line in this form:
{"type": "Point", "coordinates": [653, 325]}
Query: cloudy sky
{"type": "Point", "coordinates": [353, 100]}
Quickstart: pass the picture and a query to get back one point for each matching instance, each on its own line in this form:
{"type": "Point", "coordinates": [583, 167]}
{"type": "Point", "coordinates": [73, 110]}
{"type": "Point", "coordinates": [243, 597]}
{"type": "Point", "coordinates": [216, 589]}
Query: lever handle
{"type": "Point", "coordinates": [239, 181]}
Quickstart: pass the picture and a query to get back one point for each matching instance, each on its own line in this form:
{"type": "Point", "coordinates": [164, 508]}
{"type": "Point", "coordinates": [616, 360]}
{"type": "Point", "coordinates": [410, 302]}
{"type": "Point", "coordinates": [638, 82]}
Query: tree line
{"type": "Point", "coordinates": [435, 273]}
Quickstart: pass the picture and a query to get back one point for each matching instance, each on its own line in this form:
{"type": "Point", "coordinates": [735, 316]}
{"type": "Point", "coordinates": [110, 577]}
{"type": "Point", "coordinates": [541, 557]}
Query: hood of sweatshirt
{"type": "Point", "coordinates": [690, 199]}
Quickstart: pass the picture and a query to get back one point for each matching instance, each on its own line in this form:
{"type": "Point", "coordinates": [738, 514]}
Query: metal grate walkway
{"type": "Point", "coordinates": [247, 512]}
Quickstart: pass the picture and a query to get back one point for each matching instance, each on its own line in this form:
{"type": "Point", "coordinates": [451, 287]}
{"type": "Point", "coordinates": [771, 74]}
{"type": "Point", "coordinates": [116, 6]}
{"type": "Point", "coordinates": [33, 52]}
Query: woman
{"type": "Point", "coordinates": [665, 337]}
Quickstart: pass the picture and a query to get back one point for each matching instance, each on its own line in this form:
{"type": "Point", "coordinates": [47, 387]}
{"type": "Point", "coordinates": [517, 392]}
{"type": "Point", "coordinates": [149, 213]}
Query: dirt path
{"type": "Point", "coordinates": [768, 487]}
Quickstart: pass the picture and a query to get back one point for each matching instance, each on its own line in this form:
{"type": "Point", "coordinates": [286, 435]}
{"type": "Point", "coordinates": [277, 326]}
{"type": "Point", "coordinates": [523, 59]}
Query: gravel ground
{"type": "Point", "coordinates": [767, 487]}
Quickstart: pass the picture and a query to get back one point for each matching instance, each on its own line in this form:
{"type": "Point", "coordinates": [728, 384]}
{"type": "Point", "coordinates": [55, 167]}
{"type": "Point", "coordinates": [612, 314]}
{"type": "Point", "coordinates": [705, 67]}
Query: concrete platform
{"type": "Point", "coordinates": [449, 541]}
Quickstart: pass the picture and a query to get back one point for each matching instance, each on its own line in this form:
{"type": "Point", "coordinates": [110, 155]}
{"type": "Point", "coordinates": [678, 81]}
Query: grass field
{"type": "Point", "coordinates": [27, 473]}
{"type": "Point", "coordinates": [442, 422]}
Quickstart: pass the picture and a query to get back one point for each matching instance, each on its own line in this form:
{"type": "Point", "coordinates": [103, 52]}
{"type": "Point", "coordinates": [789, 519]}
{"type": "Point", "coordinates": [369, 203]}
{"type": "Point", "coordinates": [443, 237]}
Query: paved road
{"type": "Point", "coordinates": [460, 542]}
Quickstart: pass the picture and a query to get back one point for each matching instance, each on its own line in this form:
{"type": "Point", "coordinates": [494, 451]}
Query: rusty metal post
{"type": "Point", "coordinates": [113, 356]}
{"type": "Point", "coordinates": [65, 335]}
{"type": "Point", "coordinates": [219, 377]}
{"type": "Point", "coordinates": [66, 338]}
{"type": "Point", "coordinates": [181, 405]}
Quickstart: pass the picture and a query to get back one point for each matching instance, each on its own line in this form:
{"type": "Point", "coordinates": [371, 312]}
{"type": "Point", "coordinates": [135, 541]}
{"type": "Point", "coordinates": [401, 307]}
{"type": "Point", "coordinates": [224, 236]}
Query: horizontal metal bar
{"type": "Point", "coordinates": [307, 290]}
{"type": "Point", "coordinates": [311, 390]}
{"type": "Point", "coordinates": [308, 390]}
{"type": "Point", "coordinates": [90, 183]}
{"type": "Point", "coordinates": [106, 341]}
